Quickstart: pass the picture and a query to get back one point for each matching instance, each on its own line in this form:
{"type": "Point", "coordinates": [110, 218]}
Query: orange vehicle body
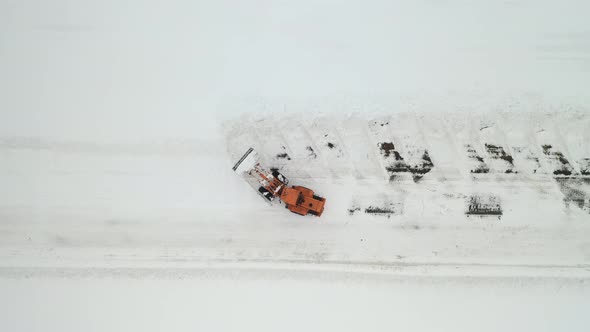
{"type": "Point", "coordinates": [297, 199]}
{"type": "Point", "coordinates": [273, 184]}
{"type": "Point", "coordinates": [302, 201]}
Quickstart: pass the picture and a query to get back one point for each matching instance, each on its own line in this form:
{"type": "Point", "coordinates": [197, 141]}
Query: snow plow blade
{"type": "Point", "coordinates": [246, 163]}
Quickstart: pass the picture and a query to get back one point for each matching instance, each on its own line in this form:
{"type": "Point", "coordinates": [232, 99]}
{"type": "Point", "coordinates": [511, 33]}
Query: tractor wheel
{"type": "Point", "coordinates": [265, 193]}
{"type": "Point", "coordinates": [280, 176]}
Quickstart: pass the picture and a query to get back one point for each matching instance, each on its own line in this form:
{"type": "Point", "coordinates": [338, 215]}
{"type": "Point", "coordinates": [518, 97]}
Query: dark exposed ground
{"type": "Point", "coordinates": [399, 165]}
{"type": "Point", "coordinates": [484, 205]}
{"type": "Point", "coordinates": [563, 166]}
{"type": "Point", "coordinates": [575, 191]}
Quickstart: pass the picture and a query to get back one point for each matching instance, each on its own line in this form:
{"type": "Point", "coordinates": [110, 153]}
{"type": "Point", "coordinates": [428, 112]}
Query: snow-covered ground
{"type": "Point", "coordinates": [463, 124]}
{"type": "Point", "coordinates": [104, 221]}
{"type": "Point", "coordinates": [178, 204]}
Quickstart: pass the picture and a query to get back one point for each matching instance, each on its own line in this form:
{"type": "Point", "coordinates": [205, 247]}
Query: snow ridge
{"type": "Point", "coordinates": [491, 162]}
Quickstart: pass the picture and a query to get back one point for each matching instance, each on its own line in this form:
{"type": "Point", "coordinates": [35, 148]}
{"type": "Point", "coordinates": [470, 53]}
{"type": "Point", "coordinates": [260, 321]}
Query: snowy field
{"type": "Point", "coordinates": [179, 204]}
{"type": "Point", "coordinates": [451, 140]}
{"type": "Point", "coordinates": [118, 232]}
{"type": "Point", "coordinates": [266, 303]}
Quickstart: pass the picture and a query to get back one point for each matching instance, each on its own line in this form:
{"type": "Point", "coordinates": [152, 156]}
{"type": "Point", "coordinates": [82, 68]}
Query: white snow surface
{"type": "Point", "coordinates": [120, 122]}
{"type": "Point", "coordinates": [129, 219]}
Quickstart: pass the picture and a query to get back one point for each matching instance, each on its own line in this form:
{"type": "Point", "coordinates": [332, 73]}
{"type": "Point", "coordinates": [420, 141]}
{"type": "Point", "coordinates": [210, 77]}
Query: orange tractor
{"type": "Point", "coordinates": [272, 184]}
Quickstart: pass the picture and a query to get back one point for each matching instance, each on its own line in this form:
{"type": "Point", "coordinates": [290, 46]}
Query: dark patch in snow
{"type": "Point", "coordinates": [387, 148]}
{"type": "Point", "coordinates": [399, 168]}
{"type": "Point", "coordinates": [575, 191]}
{"type": "Point", "coordinates": [417, 178]}
{"type": "Point", "coordinates": [483, 205]}
{"type": "Point", "coordinates": [480, 166]}
{"type": "Point", "coordinates": [385, 211]}
{"type": "Point", "coordinates": [422, 168]}
{"type": "Point", "coordinates": [417, 171]}
{"type": "Point", "coordinates": [499, 153]}
{"type": "Point", "coordinates": [382, 123]}
{"type": "Point", "coordinates": [398, 165]}
{"type": "Point", "coordinates": [426, 164]}
{"type": "Point", "coordinates": [426, 158]}
{"type": "Point", "coordinates": [584, 166]}
{"type": "Point", "coordinates": [283, 155]}
{"type": "Point", "coordinates": [336, 148]}
{"type": "Point", "coordinates": [562, 165]}
{"type": "Point", "coordinates": [352, 210]}
{"type": "Point", "coordinates": [312, 153]}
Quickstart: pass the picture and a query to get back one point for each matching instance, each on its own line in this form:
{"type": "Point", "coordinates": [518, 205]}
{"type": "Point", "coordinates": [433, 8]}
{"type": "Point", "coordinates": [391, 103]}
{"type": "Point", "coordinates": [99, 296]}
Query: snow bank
{"type": "Point", "coordinates": [426, 165]}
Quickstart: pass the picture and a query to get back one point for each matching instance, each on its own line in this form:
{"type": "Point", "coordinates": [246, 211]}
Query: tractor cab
{"type": "Point", "coordinates": [302, 201]}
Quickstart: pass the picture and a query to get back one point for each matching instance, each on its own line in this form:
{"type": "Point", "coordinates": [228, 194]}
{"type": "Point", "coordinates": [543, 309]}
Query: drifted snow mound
{"type": "Point", "coordinates": [428, 164]}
